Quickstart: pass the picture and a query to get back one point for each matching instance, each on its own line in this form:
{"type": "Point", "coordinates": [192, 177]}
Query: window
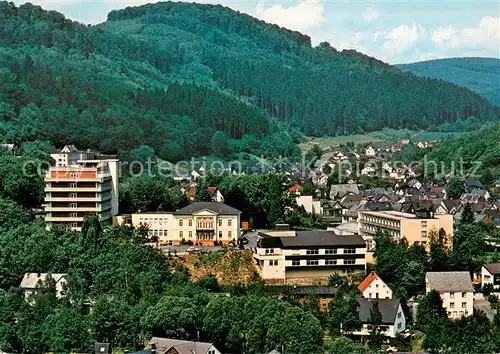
{"type": "Point", "coordinates": [295, 262]}
{"type": "Point", "coordinates": [330, 261]}
{"type": "Point", "coordinates": [275, 262]}
{"type": "Point", "coordinates": [423, 224]}
{"type": "Point", "coordinates": [190, 222]}
{"type": "Point", "coordinates": [312, 251]}
{"type": "Point", "coordinates": [452, 305]}
{"type": "Point", "coordinates": [181, 222]}
{"type": "Point", "coordinates": [464, 305]}
{"type": "Point", "coordinates": [72, 185]}
{"type": "Point", "coordinates": [180, 234]}
{"type": "Point", "coordinates": [73, 174]}
{"type": "Point", "coordinates": [190, 233]}
{"type": "Point", "coordinates": [74, 224]}
{"type": "Point", "coordinates": [331, 251]}
{"type": "Point", "coordinates": [349, 261]}
{"type": "Point", "coordinates": [269, 250]}
{"type": "Point", "coordinates": [220, 234]}
{"type": "Point", "coordinates": [73, 195]}
{"type": "Point", "coordinates": [229, 234]}
{"type": "Point", "coordinates": [230, 223]}
{"type": "Point", "coordinates": [376, 285]}
{"type": "Point", "coordinates": [73, 215]}
{"type": "Point", "coordinates": [349, 250]}
{"type": "Point", "coordinates": [399, 314]}
{"type": "Point", "coordinates": [423, 233]}
{"type": "Point", "coordinates": [220, 222]}
{"type": "Point", "coordinates": [399, 325]}
{"type": "Point", "coordinates": [271, 263]}
{"type": "Point", "coordinates": [312, 262]}
{"type": "Point", "coordinates": [73, 205]}
{"type": "Point", "coordinates": [452, 295]}
{"type": "Point", "coordinates": [464, 294]}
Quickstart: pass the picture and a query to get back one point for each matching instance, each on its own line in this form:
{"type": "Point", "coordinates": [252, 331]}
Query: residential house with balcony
{"type": "Point", "coordinates": [490, 274]}
{"type": "Point", "coordinates": [202, 223]}
{"type": "Point", "coordinates": [455, 289]}
{"type": "Point", "coordinates": [289, 255]}
{"type": "Point", "coordinates": [393, 317]}
{"type": "Point", "coordinates": [81, 182]}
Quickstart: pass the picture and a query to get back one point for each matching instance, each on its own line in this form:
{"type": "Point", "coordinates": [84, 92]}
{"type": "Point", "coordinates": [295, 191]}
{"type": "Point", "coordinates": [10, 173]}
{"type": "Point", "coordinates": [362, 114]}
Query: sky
{"type": "Point", "coordinates": [395, 31]}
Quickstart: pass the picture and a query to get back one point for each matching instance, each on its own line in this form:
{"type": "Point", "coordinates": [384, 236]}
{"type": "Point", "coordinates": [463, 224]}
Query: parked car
{"type": "Point", "coordinates": [193, 249]}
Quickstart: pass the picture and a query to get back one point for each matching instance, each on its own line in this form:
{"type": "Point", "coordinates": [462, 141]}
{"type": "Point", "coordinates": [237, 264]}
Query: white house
{"type": "Point", "coordinates": [393, 317]}
{"type": "Point", "coordinates": [203, 223]}
{"type": "Point", "coordinates": [455, 289]}
{"type": "Point", "coordinates": [368, 171]}
{"type": "Point", "coordinates": [179, 346]}
{"type": "Point", "coordinates": [373, 287]}
{"type": "Point", "coordinates": [370, 151]}
{"type": "Point", "coordinates": [490, 274]}
{"type": "Point", "coordinates": [31, 281]}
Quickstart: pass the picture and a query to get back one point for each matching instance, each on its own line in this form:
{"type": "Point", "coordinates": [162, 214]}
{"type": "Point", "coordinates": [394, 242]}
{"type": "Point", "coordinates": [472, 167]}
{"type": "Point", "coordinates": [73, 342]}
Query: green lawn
{"type": "Point", "coordinates": [378, 139]}
{"type": "Point", "coordinates": [327, 142]}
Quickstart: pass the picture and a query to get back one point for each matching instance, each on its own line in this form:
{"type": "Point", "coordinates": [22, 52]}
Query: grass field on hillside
{"type": "Point", "coordinates": [327, 142]}
{"type": "Point", "coordinates": [377, 139]}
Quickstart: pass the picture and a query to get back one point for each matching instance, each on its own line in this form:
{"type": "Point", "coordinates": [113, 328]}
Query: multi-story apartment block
{"type": "Point", "coordinates": [414, 227]}
{"type": "Point", "coordinates": [455, 289]}
{"type": "Point", "coordinates": [202, 223]}
{"type": "Point", "coordinates": [308, 254]}
{"type": "Point", "coordinates": [81, 182]}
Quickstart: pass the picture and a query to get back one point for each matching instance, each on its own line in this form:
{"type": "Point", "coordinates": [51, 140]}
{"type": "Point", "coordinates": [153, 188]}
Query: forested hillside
{"type": "Point", "coordinates": [192, 79]}
{"type": "Point", "coordinates": [479, 74]}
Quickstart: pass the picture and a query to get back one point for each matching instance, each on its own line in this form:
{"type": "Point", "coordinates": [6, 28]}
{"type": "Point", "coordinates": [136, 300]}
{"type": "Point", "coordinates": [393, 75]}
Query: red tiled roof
{"type": "Point", "coordinates": [212, 190]}
{"type": "Point", "coordinates": [191, 192]}
{"type": "Point", "coordinates": [367, 281]}
{"type": "Point", "coordinates": [295, 188]}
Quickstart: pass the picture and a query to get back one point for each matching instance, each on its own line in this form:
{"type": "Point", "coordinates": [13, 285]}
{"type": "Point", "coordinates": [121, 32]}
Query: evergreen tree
{"type": "Point", "coordinates": [467, 216]}
{"type": "Point", "coordinates": [202, 193]}
{"type": "Point", "coordinates": [376, 338]}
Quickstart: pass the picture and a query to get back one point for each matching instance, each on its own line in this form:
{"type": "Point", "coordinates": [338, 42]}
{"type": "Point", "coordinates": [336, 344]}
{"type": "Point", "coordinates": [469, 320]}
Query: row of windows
{"type": "Point", "coordinates": [461, 313]}
{"type": "Point", "coordinates": [452, 305]}
{"type": "Point", "coordinates": [205, 224]}
{"type": "Point", "coordinates": [315, 262]}
{"type": "Point", "coordinates": [190, 234]}
{"type": "Point", "coordinates": [314, 251]}
{"type": "Point", "coordinates": [452, 295]}
{"type": "Point", "coordinates": [381, 221]}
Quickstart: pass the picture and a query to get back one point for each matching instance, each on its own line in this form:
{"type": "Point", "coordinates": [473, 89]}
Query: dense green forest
{"type": "Point", "coordinates": [191, 79]}
{"type": "Point", "coordinates": [479, 74]}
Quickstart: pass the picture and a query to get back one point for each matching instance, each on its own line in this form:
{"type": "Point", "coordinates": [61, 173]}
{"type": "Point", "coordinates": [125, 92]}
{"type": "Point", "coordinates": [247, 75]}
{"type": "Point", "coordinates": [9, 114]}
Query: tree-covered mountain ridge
{"type": "Point", "coordinates": [479, 74]}
{"type": "Point", "coordinates": [192, 79]}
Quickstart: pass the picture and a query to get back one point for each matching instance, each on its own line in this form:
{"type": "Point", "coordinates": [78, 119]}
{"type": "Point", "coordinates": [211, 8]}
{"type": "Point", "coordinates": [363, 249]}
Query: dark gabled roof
{"type": "Point", "coordinates": [493, 268]}
{"type": "Point", "coordinates": [387, 307]}
{"type": "Point", "coordinates": [473, 183]}
{"type": "Point", "coordinates": [315, 290]}
{"type": "Point", "coordinates": [452, 203]}
{"type": "Point", "coordinates": [321, 238]}
{"type": "Point", "coordinates": [303, 239]}
{"type": "Point", "coordinates": [449, 281]}
{"type": "Point", "coordinates": [219, 208]}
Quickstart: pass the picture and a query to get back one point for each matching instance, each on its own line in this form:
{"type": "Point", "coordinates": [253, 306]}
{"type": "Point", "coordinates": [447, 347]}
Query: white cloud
{"type": "Point", "coordinates": [301, 17]}
{"type": "Point", "coordinates": [370, 14]}
{"type": "Point", "coordinates": [348, 40]}
{"type": "Point", "coordinates": [486, 33]}
{"type": "Point", "coordinates": [446, 35]}
{"type": "Point", "coordinates": [400, 38]}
